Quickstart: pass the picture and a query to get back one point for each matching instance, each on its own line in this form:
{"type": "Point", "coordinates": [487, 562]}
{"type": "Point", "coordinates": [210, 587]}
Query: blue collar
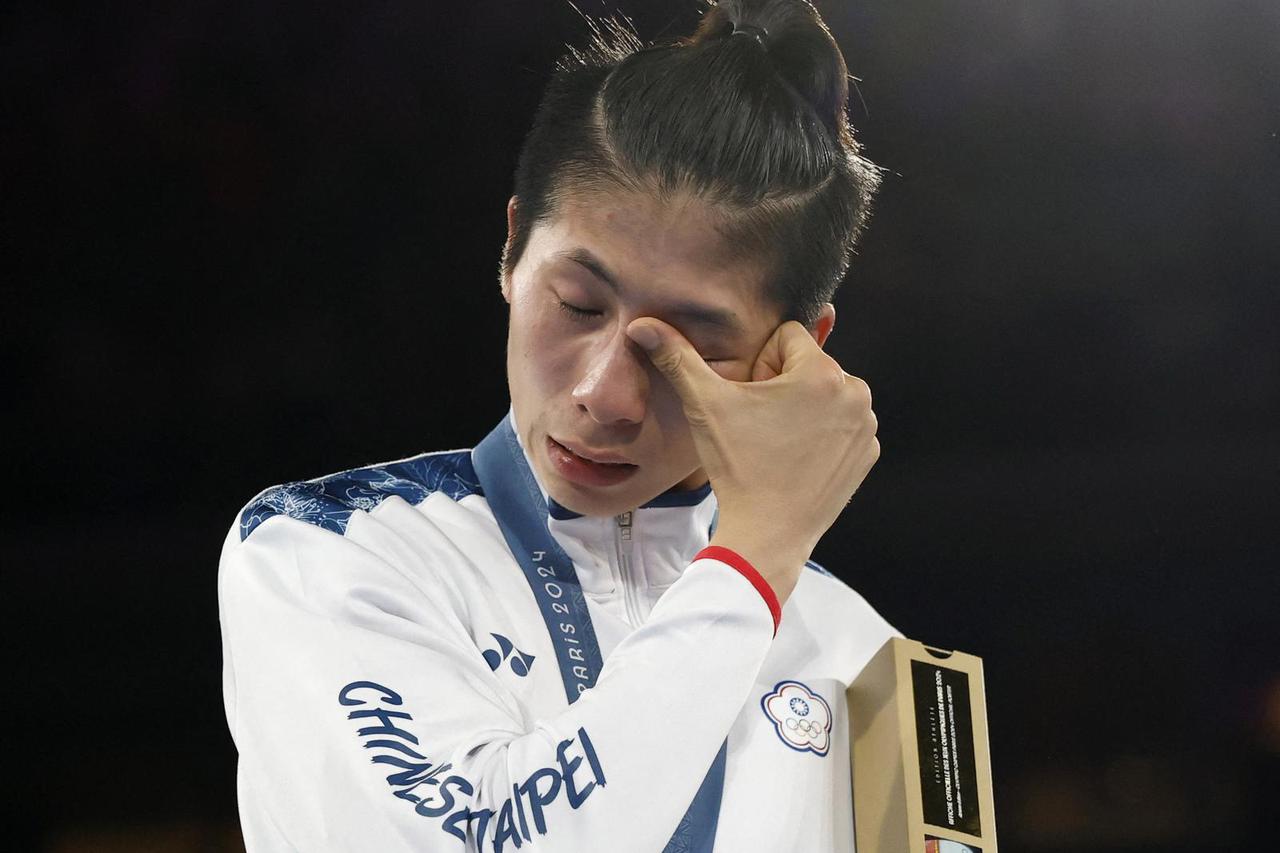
{"type": "Point", "coordinates": [671, 497]}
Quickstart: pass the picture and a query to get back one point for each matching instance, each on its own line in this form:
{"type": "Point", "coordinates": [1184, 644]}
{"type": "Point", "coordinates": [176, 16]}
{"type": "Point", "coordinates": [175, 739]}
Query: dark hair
{"type": "Point", "coordinates": [752, 122]}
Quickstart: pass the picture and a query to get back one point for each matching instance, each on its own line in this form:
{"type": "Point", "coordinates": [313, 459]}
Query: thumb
{"type": "Point", "coordinates": [675, 358]}
{"type": "Point", "coordinates": [787, 348]}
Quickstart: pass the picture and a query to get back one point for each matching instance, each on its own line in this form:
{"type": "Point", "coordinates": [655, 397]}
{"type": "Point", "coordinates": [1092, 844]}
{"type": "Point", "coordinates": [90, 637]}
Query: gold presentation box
{"type": "Point", "coordinates": [921, 760]}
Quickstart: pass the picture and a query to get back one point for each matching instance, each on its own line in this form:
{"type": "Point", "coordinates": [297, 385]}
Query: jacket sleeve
{"type": "Point", "coordinates": [367, 719]}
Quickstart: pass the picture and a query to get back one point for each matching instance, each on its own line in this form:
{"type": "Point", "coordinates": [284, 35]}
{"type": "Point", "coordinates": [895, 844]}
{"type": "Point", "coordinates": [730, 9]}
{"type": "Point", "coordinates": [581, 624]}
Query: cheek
{"type": "Point", "coordinates": [668, 416]}
{"type": "Point", "coordinates": [539, 351]}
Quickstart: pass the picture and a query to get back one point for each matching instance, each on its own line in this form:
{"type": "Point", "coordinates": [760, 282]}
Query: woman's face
{"type": "Point", "coordinates": [580, 387]}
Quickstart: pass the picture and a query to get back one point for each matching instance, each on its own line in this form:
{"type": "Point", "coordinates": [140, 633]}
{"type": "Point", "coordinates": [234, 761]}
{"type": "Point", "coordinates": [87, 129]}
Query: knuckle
{"type": "Point", "coordinates": [670, 360]}
{"type": "Point", "coordinates": [830, 378]}
{"type": "Point", "coordinates": [860, 389]}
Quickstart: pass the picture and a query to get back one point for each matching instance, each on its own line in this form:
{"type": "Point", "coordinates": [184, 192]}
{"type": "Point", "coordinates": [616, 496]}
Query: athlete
{"type": "Point", "coordinates": [599, 629]}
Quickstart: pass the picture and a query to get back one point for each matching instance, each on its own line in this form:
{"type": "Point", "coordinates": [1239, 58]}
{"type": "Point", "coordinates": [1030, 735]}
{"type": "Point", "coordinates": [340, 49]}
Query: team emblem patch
{"type": "Point", "coordinates": [801, 717]}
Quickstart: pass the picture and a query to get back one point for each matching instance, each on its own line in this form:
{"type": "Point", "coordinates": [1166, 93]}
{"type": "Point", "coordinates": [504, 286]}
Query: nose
{"type": "Point", "coordinates": [615, 387]}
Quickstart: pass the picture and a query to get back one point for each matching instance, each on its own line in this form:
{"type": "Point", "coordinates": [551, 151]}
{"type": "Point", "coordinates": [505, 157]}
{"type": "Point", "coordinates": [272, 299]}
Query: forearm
{"type": "Point", "coordinates": [426, 750]}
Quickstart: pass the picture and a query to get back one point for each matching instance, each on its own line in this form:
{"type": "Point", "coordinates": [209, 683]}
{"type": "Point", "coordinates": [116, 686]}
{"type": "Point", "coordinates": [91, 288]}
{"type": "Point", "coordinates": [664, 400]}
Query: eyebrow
{"type": "Point", "coordinates": [693, 312]}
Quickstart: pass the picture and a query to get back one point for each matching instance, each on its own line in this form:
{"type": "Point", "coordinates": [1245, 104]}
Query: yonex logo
{"type": "Point", "coordinates": [520, 664]}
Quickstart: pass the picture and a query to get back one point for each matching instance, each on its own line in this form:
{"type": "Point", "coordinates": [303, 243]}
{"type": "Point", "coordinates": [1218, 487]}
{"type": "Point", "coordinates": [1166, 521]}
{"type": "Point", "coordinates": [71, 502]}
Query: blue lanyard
{"type": "Point", "coordinates": [521, 511]}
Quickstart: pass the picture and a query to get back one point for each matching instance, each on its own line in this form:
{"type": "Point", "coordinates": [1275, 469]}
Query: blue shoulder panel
{"type": "Point", "coordinates": [329, 501]}
{"type": "Point", "coordinates": [819, 569]}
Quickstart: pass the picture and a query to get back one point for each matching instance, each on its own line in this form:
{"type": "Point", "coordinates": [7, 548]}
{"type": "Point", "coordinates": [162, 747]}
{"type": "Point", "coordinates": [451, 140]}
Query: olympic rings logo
{"type": "Point", "coordinates": [801, 718]}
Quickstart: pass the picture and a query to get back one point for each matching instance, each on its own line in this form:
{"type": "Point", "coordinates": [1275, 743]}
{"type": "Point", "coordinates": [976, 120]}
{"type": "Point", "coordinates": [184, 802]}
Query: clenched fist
{"type": "Point", "coordinates": [784, 452]}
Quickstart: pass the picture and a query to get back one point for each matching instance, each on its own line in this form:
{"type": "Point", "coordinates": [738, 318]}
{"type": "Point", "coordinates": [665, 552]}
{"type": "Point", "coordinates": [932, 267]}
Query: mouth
{"type": "Point", "coordinates": [600, 457]}
{"type": "Point", "coordinates": [588, 467]}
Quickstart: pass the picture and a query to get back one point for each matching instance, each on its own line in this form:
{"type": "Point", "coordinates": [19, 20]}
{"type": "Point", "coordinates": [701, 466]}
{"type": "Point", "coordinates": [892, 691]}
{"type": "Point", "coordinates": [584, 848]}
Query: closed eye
{"type": "Point", "coordinates": [577, 313]}
{"type": "Point", "coordinates": [586, 313]}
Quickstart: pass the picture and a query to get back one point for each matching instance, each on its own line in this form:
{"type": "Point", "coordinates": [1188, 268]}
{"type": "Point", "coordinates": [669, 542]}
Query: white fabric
{"type": "Point", "coordinates": [407, 601]}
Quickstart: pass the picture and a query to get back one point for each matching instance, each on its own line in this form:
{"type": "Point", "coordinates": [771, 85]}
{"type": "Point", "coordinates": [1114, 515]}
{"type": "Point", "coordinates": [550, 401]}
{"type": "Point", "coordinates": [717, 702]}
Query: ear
{"type": "Point", "coordinates": [822, 326]}
{"type": "Point", "coordinates": [511, 236]}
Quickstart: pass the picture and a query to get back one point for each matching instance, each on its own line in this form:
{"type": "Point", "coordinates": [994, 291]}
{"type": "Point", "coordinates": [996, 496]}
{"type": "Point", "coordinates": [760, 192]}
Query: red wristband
{"type": "Point", "coordinates": [748, 571]}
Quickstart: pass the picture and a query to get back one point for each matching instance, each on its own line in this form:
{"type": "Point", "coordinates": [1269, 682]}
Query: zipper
{"type": "Point", "coordinates": [624, 533]}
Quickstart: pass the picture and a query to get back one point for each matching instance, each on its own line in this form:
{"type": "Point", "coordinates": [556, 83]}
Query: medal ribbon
{"type": "Point", "coordinates": [521, 511]}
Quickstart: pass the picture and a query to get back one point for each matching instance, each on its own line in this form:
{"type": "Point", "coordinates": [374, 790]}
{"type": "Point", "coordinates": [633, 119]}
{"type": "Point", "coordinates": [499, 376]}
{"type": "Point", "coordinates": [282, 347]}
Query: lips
{"type": "Point", "coordinates": [591, 468]}
{"type": "Point", "coordinates": [600, 457]}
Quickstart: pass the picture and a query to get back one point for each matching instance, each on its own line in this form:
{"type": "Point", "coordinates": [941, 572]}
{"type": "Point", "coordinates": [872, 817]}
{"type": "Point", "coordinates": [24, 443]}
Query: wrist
{"type": "Point", "coordinates": [779, 566]}
{"type": "Point", "coordinates": [742, 566]}
{"type": "Point", "coordinates": [769, 552]}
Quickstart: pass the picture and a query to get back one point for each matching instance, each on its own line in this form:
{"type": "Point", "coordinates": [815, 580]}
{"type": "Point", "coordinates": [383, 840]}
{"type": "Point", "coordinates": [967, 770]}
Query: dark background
{"type": "Point", "coordinates": [249, 242]}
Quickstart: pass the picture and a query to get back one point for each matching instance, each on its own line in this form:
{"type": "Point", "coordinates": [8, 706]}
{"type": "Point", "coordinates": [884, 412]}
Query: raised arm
{"type": "Point", "coordinates": [366, 718]}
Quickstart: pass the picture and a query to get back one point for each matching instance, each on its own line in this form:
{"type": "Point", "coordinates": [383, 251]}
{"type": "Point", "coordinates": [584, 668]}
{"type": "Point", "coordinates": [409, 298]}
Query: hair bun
{"type": "Point", "coordinates": [800, 48]}
{"type": "Point", "coordinates": [760, 34]}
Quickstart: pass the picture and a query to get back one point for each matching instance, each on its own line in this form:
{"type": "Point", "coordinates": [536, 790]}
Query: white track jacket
{"type": "Point", "coordinates": [429, 655]}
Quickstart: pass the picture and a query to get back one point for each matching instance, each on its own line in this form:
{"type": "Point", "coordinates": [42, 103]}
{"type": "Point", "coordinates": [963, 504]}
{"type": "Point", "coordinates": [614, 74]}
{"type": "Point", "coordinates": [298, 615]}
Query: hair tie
{"type": "Point", "coordinates": [758, 33]}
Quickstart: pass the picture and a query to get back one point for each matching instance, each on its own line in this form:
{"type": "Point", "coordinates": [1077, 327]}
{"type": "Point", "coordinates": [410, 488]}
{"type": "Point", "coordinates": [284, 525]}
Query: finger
{"type": "Point", "coordinates": [674, 357]}
{"type": "Point", "coordinates": [788, 346]}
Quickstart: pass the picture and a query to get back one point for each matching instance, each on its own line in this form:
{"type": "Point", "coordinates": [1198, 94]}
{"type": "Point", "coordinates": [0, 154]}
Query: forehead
{"type": "Point", "coordinates": [660, 250]}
